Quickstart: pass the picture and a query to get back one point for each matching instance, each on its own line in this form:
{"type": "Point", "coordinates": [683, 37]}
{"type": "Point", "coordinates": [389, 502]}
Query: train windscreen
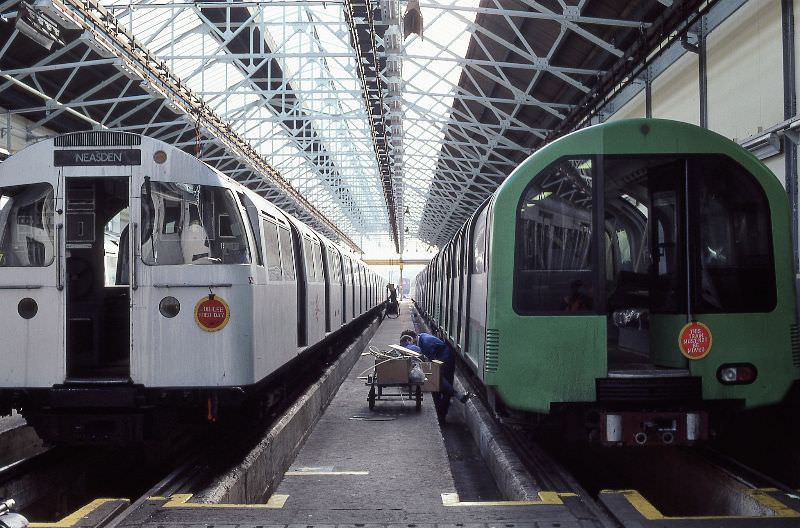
{"type": "Point", "coordinates": [191, 224]}
{"type": "Point", "coordinates": [657, 210]}
{"type": "Point", "coordinates": [26, 225]}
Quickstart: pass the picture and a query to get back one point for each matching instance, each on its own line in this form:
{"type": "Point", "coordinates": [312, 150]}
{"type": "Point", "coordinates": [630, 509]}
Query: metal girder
{"type": "Point", "coordinates": [362, 33]}
{"type": "Point", "coordinates": [497, 111]}
{"type": "Point", "coordinates": [236, 29]}
{"type": "Point", "coordinates": [138, 61]}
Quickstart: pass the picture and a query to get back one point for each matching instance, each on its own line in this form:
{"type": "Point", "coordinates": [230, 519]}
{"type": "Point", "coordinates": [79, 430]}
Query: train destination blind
{"type": "Point", "coordinates": [96, 157]}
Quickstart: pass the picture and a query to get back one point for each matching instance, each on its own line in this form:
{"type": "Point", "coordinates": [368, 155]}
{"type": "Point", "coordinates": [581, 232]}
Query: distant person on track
{"type": "Point", "coordinates": [392, 306]}
{"type": "Point", "coordinates": [434, 348]}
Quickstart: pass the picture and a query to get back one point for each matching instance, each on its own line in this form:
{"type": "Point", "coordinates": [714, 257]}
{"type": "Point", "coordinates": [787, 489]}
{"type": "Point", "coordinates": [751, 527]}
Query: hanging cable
{"type": "Point", "coordinates": [197, 145]}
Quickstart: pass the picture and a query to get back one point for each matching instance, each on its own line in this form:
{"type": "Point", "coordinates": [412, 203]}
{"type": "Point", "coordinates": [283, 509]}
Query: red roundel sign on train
{"type": "Point", "coordinates": [212, 313]}
{"type": "Point", "coordinates": [695, 340]}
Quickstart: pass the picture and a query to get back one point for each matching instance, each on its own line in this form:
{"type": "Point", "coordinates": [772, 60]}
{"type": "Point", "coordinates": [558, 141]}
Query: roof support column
{"type": "Point", "coordinates": [789, 111]}
{"type": "Point", "coordinates": [703, 71]}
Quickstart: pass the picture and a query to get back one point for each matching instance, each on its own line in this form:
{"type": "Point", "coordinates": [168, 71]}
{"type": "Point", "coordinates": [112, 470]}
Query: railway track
{"type": "Point", "coordinates": [554, 477]}
{"type": "Point", "coordinates": [39, 483]}
{"type": "Point", "coordinates": [720, 482]}
{"type": "Point", "coordinates": [745, 474]}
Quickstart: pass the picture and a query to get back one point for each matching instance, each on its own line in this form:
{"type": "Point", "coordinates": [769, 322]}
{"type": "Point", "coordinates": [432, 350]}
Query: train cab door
{"type": "Point", "coordinates": [95, 245]}
{"type": "Point", "coordinates": [645, 264]}
{"type": "Point", "coordinates": [31, 277]}
{"type": "Point", "coordinates": [669, 264]}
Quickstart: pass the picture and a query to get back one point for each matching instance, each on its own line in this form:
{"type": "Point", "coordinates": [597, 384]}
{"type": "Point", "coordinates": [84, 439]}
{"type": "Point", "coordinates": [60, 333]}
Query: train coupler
{"type": "Point", "coordinates": [638, 428]}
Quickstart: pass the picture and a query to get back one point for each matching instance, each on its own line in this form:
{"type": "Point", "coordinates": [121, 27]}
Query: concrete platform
{"type": "Point", "coordinates": [17, 440]}
{"type": "Point", "coordinates": [388, 467]}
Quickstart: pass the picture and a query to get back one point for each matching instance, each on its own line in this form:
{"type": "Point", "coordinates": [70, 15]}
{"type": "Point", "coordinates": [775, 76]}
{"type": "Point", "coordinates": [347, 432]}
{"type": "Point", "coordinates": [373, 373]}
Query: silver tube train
{"type": "Point", "coordinates": [135, 278]}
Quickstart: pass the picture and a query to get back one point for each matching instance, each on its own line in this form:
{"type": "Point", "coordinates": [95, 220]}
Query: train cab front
{"type": "Point", "coordinates": [652, 287]}
{"type": "Point", "coordinates": [122, 262]}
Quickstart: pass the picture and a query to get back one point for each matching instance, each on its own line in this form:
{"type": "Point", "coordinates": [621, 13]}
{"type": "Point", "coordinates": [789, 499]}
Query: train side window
{"type": "Point", "coordinates": [273, 250]}
{"type": "Point", "coordinates": [335, 265]}
{"type": "Point", "coordinates": [251, 212]}
{"type": "Point", "coordinates": [287, 255]}
{"type": "Point", "coordinates": [308, 259]}
{"type": "Point", "coordinates": [553, 262]}
{"type": "Point", "coordinates": [317, 254]}
{"type": "Point", "coordinates": [26, 225]}
{"type": "Point", "coordinates": [479, 243]}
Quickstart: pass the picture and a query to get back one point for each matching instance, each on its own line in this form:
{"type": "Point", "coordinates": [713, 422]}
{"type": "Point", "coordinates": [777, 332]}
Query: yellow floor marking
{"type": "Point", "coordinates": [317, 473]}
{"type": "Point", "coordinates": [181, 500]}
{"type": "Point", "coordinates": [551, 498]}
{"type": "Point", "coordinates": [761, 496]}
{"type": "Point", "coordinates": [71, 520]}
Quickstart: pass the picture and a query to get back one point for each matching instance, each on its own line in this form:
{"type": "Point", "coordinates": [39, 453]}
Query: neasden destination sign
{"type": "Point", "coordinates": [96, 157]}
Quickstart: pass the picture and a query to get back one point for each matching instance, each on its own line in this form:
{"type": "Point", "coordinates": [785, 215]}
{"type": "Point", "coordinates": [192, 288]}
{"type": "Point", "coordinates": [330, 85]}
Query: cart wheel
{"type": "Point", "coordinates": [419, 398]}
{"type": "Point", "coordinates": [371, 397]}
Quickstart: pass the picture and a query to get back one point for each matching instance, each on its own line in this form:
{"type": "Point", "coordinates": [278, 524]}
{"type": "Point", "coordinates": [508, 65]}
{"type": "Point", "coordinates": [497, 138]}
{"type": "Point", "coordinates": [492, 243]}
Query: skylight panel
{"type": "Point", "coordinates": [431, 78]}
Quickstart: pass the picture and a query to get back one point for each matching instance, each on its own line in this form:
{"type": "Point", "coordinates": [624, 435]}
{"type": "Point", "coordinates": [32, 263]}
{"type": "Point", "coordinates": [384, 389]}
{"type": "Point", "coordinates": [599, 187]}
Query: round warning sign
{"type": "Point", "coordinates": [212, 313]}
{"type": "Point", "coordinates": [695, 340]}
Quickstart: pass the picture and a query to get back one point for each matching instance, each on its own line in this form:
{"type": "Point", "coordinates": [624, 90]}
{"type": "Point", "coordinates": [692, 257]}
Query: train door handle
{"type": "Point", "coordinates": [133, 257]}
{"type": "Point", "coordinates": [59, 265]}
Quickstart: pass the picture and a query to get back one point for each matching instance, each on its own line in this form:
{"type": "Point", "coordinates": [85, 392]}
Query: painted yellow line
{"type": "Point", "coordinates": [71, 520]}
{"type": "Point", "coordinates": [181, 500]}
{"type": "Point", "coordinates": [318, 473]}
{"type": "Point", "coordinates": [761, 496]}
{"type": "Point", "coordinates": [546, 498]}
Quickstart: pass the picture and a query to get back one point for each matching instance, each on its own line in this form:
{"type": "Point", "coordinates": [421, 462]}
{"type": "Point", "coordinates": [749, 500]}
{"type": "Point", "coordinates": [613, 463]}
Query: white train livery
{"type": "Point", "coordinates": [135, 277]}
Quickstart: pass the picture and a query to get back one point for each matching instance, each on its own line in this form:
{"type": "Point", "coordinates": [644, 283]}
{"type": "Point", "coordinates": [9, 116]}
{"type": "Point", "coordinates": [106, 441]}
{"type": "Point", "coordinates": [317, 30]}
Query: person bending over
{"type": "Point", "coordinates": [434, 348]}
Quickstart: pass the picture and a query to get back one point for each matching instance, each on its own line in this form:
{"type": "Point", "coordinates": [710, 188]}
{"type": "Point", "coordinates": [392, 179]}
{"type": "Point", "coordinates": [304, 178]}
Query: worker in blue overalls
{"type": "Point", "coordinates": [434, 348]}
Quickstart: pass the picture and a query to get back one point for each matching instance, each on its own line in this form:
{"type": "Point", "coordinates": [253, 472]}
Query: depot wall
{"type": "Point", "coordinates": [16, 132]}
{"type": "Point", "coordinates": [744, 72]}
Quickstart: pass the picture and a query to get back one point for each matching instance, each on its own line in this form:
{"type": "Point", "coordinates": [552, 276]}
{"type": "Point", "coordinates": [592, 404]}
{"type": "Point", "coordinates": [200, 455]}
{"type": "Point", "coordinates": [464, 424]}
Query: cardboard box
{"type": "Point", "coordinates": [432, 372]}
{"type": "Point", "coordinates": [394, 371]}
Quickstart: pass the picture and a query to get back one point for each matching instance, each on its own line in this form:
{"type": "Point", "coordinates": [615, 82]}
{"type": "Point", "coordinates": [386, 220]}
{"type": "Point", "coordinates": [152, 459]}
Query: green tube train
{"type": "Point", "coordinates": [637, 274]}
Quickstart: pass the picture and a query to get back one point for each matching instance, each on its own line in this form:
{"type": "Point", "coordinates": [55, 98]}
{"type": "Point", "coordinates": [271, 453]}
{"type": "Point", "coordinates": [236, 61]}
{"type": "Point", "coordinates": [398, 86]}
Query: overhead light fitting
{"type": "Point", "coordinates": [56, 15]}
{"type": "Point", "coordinates": [8, 16]}
{"type": "Point", "coordinates": [41, 29]}
{"type": "Point", "coordinates": [764, 146]}
{"type": "Point", "coordinates": [412, 19]}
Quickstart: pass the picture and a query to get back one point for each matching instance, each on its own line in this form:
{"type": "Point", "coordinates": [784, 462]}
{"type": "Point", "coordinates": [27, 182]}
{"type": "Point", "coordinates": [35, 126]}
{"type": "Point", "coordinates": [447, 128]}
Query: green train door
{"type": "Point", "coordinates": [646, 266]}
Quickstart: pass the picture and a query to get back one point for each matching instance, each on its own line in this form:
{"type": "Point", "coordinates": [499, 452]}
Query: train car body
{"type": "Point", "coordinates": [640, 270]}
{"type": "Point", "coordinates": [137, 277]}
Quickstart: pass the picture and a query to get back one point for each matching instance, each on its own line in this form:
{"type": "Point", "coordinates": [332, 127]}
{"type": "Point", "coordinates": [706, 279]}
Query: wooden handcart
{"type": "Point", "coordinates": [393, 374]}
{"type": "Point", "coordinates": [404, 391]}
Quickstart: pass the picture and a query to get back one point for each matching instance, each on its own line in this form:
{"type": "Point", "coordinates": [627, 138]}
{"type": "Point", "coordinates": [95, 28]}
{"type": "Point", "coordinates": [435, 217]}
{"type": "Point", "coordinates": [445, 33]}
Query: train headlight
{"type": "Point", "coordinates": [737, 373]}
{"type": "Point", "coordinates": [169, 307]}
{"type": "Point", "coordinates": [27, 308]}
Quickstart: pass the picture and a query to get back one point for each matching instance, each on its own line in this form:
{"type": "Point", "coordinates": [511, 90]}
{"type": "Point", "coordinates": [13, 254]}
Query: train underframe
{"type": "Point", "coordinates": [627, 423]}
{"type": "Point", "coordinates": [118, 415]}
